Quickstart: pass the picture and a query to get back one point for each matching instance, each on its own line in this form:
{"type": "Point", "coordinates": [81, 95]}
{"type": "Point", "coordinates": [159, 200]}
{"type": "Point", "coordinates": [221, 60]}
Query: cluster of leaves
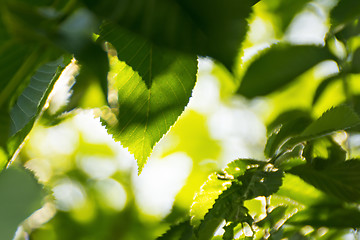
{"type": "Point", "coordinates": [157, 43]}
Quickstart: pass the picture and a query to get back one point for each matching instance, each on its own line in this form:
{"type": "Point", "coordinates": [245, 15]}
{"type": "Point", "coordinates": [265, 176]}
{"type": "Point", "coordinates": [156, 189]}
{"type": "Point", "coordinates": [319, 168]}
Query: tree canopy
{"type": "Point", "coordinates": [134, 67]}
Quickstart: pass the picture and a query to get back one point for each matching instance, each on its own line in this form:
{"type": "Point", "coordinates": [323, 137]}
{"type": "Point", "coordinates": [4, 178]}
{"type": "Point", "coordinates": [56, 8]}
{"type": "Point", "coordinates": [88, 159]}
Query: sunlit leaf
{"type": "Point", "coordinates": [338, 118]}
{"type": "Point", "coordinates": [278, 66]}
{"type": "Point", "coordinates": [21, 195]}
{"type": "Point", "coordinates": [322, 87]}
{"type": "Point", "coordinates": [341, 180]}
{"type": "Point", "coordinates": [335, 119]}
{"type": "Point", "coordinates": [152, 92]}
{"type": "Point", "coordinates": [229, 207]}
{"type": "Point", "coordinates": [214, 28]}
{"type": "Point", "coordinates": [303, 193]}
{"type": "Point", "coordinates": [205, 199]}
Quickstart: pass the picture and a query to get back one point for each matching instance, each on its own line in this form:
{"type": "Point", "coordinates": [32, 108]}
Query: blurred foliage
{"type": "Point", "coordinates": [186, 82]}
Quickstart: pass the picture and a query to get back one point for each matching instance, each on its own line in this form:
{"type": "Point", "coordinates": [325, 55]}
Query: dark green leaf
{"type": "Point", "coordinates": [229, 231]}
{"type": "Point", "coordinates": [341, 180]}
{"type": "Point", "coordinates": [278, 66]}
{"type": "Point", "coordinates": [356, 61]}
{"type": "Point", "coordinates": [273, 217]}
{"type": "Point", "coordinates": [181, 231]}
{"type": "Point", "coordinates": [327, 216]}
{"type": "Point", "coordinates": [32, 99]}
{"type": "Point", "coordinates": [30, 103]}
{"type": "Point", "coordinates": [345, 11]}
{"type": "Point", "coordinates": [208, 28]}
{"type": "Point", "coordinates": [323, 86]}
{"type": "Point", "coordinates": [348, 31]}
{"type": "Point", "coordinates": [152, 93]}
{"type": "Point", "coordinates": [21, 195]}
{"type": "Point", "coordinates": [259, 183]}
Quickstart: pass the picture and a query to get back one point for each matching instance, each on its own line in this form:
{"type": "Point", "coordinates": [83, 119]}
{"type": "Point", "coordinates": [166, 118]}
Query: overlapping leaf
{"type": "Point", "coordinates": [222, 198]}
{"type": "Point", "coordinates": [278, 66]}
{"type": "Point", "coordinates": [154, 86]}
{"type": "Point", "coordinates": [209, 28]}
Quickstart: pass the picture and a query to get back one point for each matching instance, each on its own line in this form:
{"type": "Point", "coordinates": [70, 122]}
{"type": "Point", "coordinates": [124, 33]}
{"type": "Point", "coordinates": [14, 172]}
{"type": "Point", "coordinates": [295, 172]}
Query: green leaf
{"type": "Point", "coordinates": [292, 123]}
{"type": "Point", "coordinates": [278, 66]}
{"type": "Point", "coordinates": [331, 216]}
{"type": "Point", "coordinates": [229, 207]}
{"type": "Point", "coordinates": [348, 31]}
{"type": "Point", "coordinates": [16, 61]}
{"type": "Point", "coordinates": [205, 199]}
{"type": "Point", "coordinates": [303, 193]}
{"type": "Point", "coordinates": [259, 183]}
{"type": "Point", "coordinates": [284, 10]}
{"type": "Point", "coordinates": [181, 231]}
{"type": "Point", "coordinates": [21, 195]}
{"type": "Point", "coordinates": [152, 92]}
{"type": "Point", "coordinates": [208, 28]}
{"type": "Point", "coordinates": [355, 67]}
{"type": "Point", "coordinates": [216, 185]}
{"type": "Point", "coordinates": [30, 103]}
{"type": "Point", "coordinates": [273, 217]}
{"type": "Point", "coordinates": [229, 231]}
{"type": "Point", "coordinates": [341, 180]}
{"type": "Point", "coordinates": [32, 99]}
{"type": "Point", "coordinates": [345, 11]}
{"type": "Point", "coordinates": [323, 86]}
{"type": "Point", "coordinates": [335, 119]}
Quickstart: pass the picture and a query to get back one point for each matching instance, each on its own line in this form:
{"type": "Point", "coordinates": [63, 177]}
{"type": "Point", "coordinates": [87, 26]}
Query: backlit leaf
{"type": "Point", "coordinates": [335, 119]}
{"type": "Point", "coordinates": [153, 90]}
{"type": "Point", "coordinates": [209, 28]}
{"type": "Point", "coordinates": [323, 86]}
{"type": "Point", "coordinates": [278, 66]}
